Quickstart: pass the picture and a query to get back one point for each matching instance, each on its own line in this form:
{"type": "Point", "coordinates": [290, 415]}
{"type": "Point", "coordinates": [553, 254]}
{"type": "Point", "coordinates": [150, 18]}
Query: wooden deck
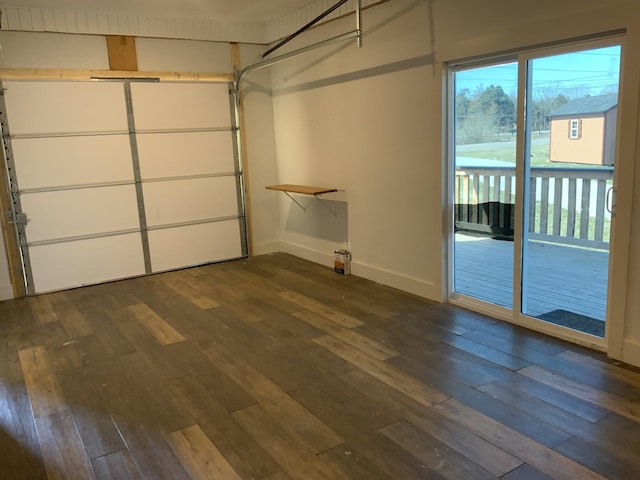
{"type": "Point", "coordinates": [559, 277]}
{"type": "Point", "coordinates": [275, 368]}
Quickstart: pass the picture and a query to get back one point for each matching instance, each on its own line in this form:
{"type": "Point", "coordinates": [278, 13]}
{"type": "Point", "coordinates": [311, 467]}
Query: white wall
{"type": "Point", "coordinates": [52, 50]}
{"type": "Point", "coordinates": [366, 121]}
{"type": "Point", "coordinates": [165, 55]}
{"type": "Point", "coordinates": [370, 122]}
{"type": "Point", "coordinates": [260, 154]}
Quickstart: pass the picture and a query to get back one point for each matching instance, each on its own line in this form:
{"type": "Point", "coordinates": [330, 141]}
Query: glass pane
{"type": "Point", "coordinates": [485, 156]}
{"type": "Point", "coordinates": [570, 153]}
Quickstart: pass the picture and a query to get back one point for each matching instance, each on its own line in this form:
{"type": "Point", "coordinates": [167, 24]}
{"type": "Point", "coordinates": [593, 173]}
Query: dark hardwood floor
{"type": "Point", "coordinates": [277, 368]}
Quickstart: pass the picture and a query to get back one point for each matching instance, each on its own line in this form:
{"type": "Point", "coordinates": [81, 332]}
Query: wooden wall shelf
{"type": "Point", "coordinates": [303, 189]}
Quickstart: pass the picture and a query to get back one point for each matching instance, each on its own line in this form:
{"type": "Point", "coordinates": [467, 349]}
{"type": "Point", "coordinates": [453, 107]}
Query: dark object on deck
{"type": "Point", "coordinates": [495, 218]}
{"type": "Point", "coordinates": [575, 321]}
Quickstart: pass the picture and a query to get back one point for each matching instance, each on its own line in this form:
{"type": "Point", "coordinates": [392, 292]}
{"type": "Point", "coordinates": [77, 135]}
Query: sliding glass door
{"type": "Point", "coordinates": [568, 178]}
{"type": "Point", "coordinates": [484, 186]}
{"type": "Point", "coordinates": [533, 165]}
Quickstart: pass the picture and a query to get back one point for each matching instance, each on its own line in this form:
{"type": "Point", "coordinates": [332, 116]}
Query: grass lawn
{"type": "Point", "coordinates": [539, 154]}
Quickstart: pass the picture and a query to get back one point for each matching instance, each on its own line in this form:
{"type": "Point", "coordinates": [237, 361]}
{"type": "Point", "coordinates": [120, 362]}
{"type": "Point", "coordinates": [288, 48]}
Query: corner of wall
{"type": "Point", "coordinates": [267, 248]}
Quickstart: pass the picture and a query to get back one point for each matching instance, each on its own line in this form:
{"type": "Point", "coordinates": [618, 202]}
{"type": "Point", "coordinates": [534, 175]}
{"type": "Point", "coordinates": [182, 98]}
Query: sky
{"type": "Point", "coordinates": [576, 74]}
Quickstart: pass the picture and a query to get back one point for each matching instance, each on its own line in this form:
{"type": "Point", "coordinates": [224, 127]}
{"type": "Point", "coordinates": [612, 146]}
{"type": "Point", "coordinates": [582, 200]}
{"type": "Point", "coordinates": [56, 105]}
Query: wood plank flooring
{"type": "Point", "coordinates": [277, 368]}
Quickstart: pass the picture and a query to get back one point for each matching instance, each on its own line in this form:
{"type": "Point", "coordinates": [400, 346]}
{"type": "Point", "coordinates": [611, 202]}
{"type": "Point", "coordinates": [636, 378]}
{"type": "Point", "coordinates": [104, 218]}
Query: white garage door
{"type": "Point", "coordinates": [116, 179]}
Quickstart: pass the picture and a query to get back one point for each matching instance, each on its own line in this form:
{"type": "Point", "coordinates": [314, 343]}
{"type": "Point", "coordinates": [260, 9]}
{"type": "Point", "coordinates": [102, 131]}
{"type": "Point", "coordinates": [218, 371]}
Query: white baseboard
{"type": "Point", "coordinates": [6, 291]}
{"type": "Point", "coordinates": [315, 256]}
{"type": "Point", "coordinates": [631, 352]}
{"type": "Point", "coordinates": [405, 283]}
{"type": "Point", "coordinates": [265, 248]}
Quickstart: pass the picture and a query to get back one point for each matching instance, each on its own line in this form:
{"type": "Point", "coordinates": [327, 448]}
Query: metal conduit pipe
{"type": "Point", "coordinates": [357, 33]}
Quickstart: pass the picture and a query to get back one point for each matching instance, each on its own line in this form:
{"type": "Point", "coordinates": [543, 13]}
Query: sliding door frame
{"type": "Point", "coordinates": [456, 298]}
{"type": "Point", "coordinates": [620, 228]}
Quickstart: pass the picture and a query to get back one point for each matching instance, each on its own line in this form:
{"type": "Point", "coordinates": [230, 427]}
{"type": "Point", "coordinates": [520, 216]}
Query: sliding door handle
{"type": "Point", "coordinates": [609, 202]}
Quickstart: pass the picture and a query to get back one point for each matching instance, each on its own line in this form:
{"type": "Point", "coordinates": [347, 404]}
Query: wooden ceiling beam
{"type": "Point", "coordinates": [68, 74]}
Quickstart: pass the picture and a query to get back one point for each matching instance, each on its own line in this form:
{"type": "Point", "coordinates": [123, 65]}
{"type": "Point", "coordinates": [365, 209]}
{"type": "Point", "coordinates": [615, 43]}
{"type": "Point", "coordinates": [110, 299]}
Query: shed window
{"type": "Point", "coordinates": [574, 129]}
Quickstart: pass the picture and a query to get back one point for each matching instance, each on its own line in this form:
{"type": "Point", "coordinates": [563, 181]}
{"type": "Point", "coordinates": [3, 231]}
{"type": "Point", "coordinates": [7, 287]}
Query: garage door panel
{"type": "Point", "coordinates": [194, 244]}
{"type": "Point", "coordinates": [85, 262]}
{"type": "Point", "coordinates": [178, 154]}
{"type": "Point", "coordinates": [72, 213]}
{"type": "Point", "coordinates": [75, 161]}
{"type": "Point", "coordinates": [65, 107]}
{"type": "Point", "coordinates": [175, 106]}
{"type": "Point", "coordinates": [60, 161]}
{"type": "Point", "coordinates": [179, 201]}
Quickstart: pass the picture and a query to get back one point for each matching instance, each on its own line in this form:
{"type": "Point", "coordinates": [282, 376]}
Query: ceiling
{"type": "Point", "coordinates": [224, 11]}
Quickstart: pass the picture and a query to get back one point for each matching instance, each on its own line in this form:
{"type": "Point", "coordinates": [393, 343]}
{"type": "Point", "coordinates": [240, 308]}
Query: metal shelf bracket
{"type": "Point", "coordinates": [295, 201]}
{"type": "Point", "coordinates": [317, 197]}
{"type": "Point", "coordinates": [324, 204]}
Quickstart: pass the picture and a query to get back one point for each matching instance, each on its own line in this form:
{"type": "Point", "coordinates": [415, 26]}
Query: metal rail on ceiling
{"type": "Point", "coordinates": [357, 33]}
{"type": "Point", "coordinates": [306, 27]}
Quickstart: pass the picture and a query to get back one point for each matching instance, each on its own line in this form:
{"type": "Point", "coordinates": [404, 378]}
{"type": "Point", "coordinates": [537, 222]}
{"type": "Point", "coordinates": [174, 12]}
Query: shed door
{"type": "Point", "coordinates": [98, 200]}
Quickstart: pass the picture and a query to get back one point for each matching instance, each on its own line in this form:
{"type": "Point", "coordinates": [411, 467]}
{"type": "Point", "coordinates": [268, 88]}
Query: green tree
{"type": "Point", "coordinates": [493, 102]}
{"type": "Point", "coordinates": [483, 115]}
{"type": "Point", "coordinates": [462, 103]}
{"type": "Point", "coordinates": [541, 107]}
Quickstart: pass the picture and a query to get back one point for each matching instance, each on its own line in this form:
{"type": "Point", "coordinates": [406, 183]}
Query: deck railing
{"type": "Point", "coordinates": [567, 205]}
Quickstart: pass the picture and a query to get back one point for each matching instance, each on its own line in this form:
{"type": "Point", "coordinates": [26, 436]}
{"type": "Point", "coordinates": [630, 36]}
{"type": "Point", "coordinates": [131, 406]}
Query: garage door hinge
{"type": "Point", "coordinates": [21, 219]}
